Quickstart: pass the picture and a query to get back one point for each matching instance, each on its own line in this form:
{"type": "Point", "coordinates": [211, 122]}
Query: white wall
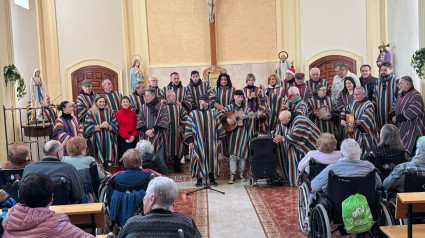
{"type": "Point", "coordinates": [333, 25]}
{"type": "Point", "coordinates": [403, 35]}
{"type": "Point", "coordinates": [25, 43]}
{"type": "Point", "coordinates": [89, 29]}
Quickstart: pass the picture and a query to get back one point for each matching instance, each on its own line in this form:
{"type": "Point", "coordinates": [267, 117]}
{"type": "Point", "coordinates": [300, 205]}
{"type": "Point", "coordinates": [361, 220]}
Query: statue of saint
{"type": "Point", "coordinates": [211, 9]}
{"type": "Point", "coordinates": [37, 92]}
{"type": "Point", "coordinates": [282, 65]}
{"type": "Point", "coordinates": [384, 54]}
{"type": "Point", "coordinates": [136, 73]}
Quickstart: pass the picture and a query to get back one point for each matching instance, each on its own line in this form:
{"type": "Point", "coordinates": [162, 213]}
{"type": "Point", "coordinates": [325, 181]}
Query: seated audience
{"type": "Point", "coordinates": [146, 148]}
{"type": "Point", "coordinates": [77, 148]}
{"type": "Point", "coordinates": [159, 221]}
{"type": "Point", "coordinates": [53, 167]}
{"type": "Point", "coordinates": [19, 157]}
{"type": "Point", "coordinates": [349, 166]}
{"type": "Point", "coordinates": [395, 182]}
{"type": "Point", "coordinates": [390, 148]}
{"type": "Point", "coordinates": [32, 217]}
{"type": "Point", "coordinates": [134, 174]}
{"type": "Point", "coordinates": [326, 152]}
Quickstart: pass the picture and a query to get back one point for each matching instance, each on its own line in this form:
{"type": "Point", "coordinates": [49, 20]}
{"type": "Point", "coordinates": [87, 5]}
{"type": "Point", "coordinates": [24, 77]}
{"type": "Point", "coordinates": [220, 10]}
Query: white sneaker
{"type": "Point", "coordinates": [243, 179]}
{"type": "Point", "coordinates": [232, 179]}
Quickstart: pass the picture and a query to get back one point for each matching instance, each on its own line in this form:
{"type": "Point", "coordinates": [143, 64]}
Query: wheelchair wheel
{"type": "Point", "coordinates": [102, 196]}
{"type": "Point", "coordinates": [302, 206]}
{"type": "Point", "coordinates": [320, 224]}
{"type": "Point", "coordinates": [391, 210]}
{"type": "Point", "coordinates": [385, 215]}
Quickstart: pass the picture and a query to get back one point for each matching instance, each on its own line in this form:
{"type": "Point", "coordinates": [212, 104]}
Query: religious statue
{"type": "Point", "coordinates": [37, 92]}
{"type": "Point", "coordinates": [211, 9]}
{"type": "Point", "coordinates": [384, 54]}
{"type": "Point", "coordinates": [283, 65]}
{"type": "Point", "coordinates": [136, 73]}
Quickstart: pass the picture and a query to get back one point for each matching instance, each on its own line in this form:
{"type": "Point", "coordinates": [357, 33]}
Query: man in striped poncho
{"type": "Point", "coordinates": [296, 135]}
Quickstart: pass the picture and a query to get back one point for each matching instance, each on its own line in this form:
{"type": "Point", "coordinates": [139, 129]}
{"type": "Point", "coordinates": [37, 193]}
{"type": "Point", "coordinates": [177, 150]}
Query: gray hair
{"type": "Point", "coordinates": [350, 149]}
{"type": "Point", "coordinates": [294, 90]}
{"type": "Point", "coordinates": [390, 135]}
{"type": "Point", "coordinates": [341, 66]}
{"type": "Point", "coordinates": [152, 91]}
{"type": "Point", "coordinates": [407, 79]}
{"type": "Point", "coordinates": [138, 84]}
{"type": "Point", "coordinates": [152, 76]}
{"type": "Point", "coordinates": [103, 82]}
{"type": "Point", "coordinates": [51, 148]}
{"type": "Point", "coordinates": [315, 68]}
{"type": "Point", "coordinates": [145, 147]}
{"type": "Point", "coordinates": [361, 89]}
{"type": "Point", "coordinates": [420, 146]}
{"type": "Point", "coordinates": [169, 92]}
{"type": "Point", "coordinates": [164, 190]}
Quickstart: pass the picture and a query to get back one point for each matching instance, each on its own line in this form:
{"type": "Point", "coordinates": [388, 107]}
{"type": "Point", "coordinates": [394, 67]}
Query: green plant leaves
{"type": "Point", "coordinates": [12, 75]}
{"type": "Point", "coordinates": [418, 62]}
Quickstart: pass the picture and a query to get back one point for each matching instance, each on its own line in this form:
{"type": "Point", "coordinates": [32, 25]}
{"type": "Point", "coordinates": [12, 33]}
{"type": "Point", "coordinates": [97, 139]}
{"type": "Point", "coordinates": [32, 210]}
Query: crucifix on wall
{"type": "Point", "coordinates": [211, 74]}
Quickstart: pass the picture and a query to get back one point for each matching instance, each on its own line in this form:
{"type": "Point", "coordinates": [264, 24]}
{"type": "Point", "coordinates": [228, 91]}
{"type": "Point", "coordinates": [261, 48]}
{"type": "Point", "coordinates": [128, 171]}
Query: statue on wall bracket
{"type": "Point", "coordinates": [211, 74]}
{"type": "Point", "coordinates": [283, 65]}
{"type": "Point", "coordinates": [384, 55]}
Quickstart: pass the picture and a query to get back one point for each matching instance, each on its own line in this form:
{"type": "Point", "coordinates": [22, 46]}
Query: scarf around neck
{"type": "Point", "coordinates": [152, 106]}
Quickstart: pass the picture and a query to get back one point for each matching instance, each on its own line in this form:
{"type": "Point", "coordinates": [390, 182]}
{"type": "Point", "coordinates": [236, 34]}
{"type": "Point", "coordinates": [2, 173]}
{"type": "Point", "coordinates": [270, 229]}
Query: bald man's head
{"type": "Point", "coordinates": [285, 117]}
{"type": "Point", "coordinates": [53, 148]}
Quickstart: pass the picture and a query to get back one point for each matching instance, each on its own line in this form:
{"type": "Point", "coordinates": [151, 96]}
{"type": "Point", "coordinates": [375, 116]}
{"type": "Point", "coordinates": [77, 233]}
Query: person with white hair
{"type": "Point", "coordinates": [349, 166]}
{"type": "Point", "coordinates": [159, 220]}
{"type": "Point", "coordinates": [151, 160]}
{"type": "Point", "coordinates": [395, 182]}
{"type": "Point", "coordinates": [153, 83]}
{"type": "Point", "coordinates": [315, 80]}
{"type": "Point", "coordinates": [295, 103]}
{"type": "Point", "coordinates": [137, 98]}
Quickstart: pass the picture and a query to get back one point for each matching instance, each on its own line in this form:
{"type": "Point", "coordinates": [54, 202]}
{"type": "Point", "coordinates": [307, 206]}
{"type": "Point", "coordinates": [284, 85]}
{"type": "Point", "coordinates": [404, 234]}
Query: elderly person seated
{"type": "Point", "coordinates": [389, 152]}
{"type": "Point", "coordinates": [32, 217]}
{"type": "Point", "coordinates": [19, 157]}
{"type": "Point", "coordinates": [77, 148]}
{"type": "Point", "coordinates": [134, 175]}
{"type": "Point", "coordinates": [349, 166]}
{"type": "Point", "coordinates": [152, 161]}
{"type": "Point", "coordinates": [326, 152]}
{"type": "Point", "coordinates": [159, 221]}
{"type": "Point", "coordinates": [395, 181]}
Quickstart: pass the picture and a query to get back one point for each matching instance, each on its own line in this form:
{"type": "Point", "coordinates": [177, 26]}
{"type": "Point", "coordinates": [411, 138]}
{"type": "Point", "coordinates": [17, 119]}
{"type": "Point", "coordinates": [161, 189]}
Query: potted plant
{"type": "Point", "coordinates": [12, 75]}
{"type": "Point", "coordinates": [418, 62]}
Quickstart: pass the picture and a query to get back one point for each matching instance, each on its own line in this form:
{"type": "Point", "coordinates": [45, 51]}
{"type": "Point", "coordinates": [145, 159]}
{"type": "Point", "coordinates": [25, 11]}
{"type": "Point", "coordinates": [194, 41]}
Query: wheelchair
{"type": "Point", "coordinates": [10, 179]}
{"type": "Point", "coordinates": [325, 208]}
{"type": "Point", "coordinates": [304, 188]}
{"type": "Point", "coordinates": [385, 165]}
{"type": "Point", "coordinates": [106, 191]}
{"type": "Point", "coordinates": [412, 183]}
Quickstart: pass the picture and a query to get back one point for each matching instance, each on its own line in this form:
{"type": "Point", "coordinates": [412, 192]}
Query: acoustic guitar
{"type": "Point", "coordinates": [238, 118]}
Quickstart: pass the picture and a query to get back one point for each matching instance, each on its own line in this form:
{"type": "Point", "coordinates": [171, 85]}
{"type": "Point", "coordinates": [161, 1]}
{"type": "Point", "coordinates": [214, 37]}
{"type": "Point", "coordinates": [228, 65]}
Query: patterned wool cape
{"type": "Point", "coordinates": [411, 106]}
{"type": "Point", "coordinates": [176, 116]}
{"type": "Point", "coordinates": [205, 129]}
{"type": "Point", "coordinates": [84, 103]}
{"type": "Point", "coordinates": [365, 132]}
{"type": "Point", "coordinates": [385, 96]}
{"type": "Point", "coordinates": [299, 138]}
{"type": "Point", "coordinates": [145, 118]}
{"type": "Point", "coordinates": [182, 94]}
{"type": "Point", "coordinates": [314, 104]}
{"type": "Point", "coordinates": [103, 142]}
{"type": "Point", "coordinates": [65, 129]}
{"type": "Point", "coordinates": [113, 100]}
{"type": "Point", "coordinates": [238, 140]}
{"type": "Point", "coordinates": [196, 91]}
{"type": "Point", "coordinates": [221, 96]}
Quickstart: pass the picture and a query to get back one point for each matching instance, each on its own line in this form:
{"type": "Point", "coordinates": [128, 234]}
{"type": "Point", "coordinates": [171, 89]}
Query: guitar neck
{"type": "Point", "coordinates": [247, 116]}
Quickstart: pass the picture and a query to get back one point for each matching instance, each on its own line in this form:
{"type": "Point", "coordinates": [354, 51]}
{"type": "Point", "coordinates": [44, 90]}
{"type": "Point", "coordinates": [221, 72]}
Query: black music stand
{"type": "Point", "coordinates": [206, 186]}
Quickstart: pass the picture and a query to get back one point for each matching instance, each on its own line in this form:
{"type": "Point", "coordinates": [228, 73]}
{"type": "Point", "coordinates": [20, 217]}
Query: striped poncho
{"type": "Point", "coordinates": [65, 129]}
{"type": "Point", "coordinates": [145, 118]}
{"type": "Point", "coordinates": [313, 84]}
{"type": "Point", "coordinates": [299, 137]}
{"type": "Point", "coordinates": [274, 103]}
{"type": "Point", "coordinates": [221, 96]}
{"type": "Point", "coordinates": [136, 102]}
{"type": "Point", "coordinates": [196, 90]}
{"type": "Point", "coordinates": [314, 104]}
{"type": "Point", "coordinates": [364, 116]}
{"type": "Point", "coordinates": [238, 139]}
{"type": "Point", "coordinates": [204, 130]}
{"type": "Point", "coordinates": [182, 94]}
{"type": "Point", "coordinates": [385, 96]}
{"type": "Point", "coordinates": [113, 100]}
{"type": "Point", "coordinates": [176, 116]}
{"type": "Point", "coordinates": [84, 103]}
{"type": "Point", "coordinates": [103, 142]}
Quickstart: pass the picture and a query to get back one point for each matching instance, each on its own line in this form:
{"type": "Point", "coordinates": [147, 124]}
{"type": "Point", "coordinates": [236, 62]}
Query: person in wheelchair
{"type": "Point", "coordinates": [389, 152]}
{"type": "Point", "coordinates": [395, 181]}
{"type": "Point", "coordinates": [19, 156]}
{"type": "Point", "coordinates": [159, 220]}
{"type": "Point", "coordinates": [134, 175]}
{"type": "Point", "coordinates": [349, 166]}
{"type": "Point", "coordinates": [326, 152]}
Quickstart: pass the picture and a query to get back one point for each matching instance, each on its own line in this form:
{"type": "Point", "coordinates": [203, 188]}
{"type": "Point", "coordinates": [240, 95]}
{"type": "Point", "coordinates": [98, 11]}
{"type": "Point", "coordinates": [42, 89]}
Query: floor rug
{"type": "Point", "coordinates": [196, 206]}
{"type": "Point", "coordinates": [276, 208]}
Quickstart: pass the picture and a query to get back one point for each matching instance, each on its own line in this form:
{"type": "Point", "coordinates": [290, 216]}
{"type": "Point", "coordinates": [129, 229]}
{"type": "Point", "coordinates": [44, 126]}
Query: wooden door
{"type": "Point", "coordinates": [96, 74]}
{"type": "Point", "coordinates": [328, 64]}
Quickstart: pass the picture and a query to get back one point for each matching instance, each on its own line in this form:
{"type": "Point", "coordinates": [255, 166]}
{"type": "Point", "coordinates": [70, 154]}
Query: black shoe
{"type": "Point", "coordinates": [176, 165]}
{"type": "Point", "coordinates": [199, 183]}
{"type": "Point", "coordinates": [213, 183]}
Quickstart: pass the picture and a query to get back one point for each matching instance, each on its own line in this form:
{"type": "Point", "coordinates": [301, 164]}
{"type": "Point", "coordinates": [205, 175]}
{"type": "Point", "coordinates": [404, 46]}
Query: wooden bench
{"type": "Point", "coordinates": [83, 214]}
{"type": "Point", "coordinates": [408, 205]}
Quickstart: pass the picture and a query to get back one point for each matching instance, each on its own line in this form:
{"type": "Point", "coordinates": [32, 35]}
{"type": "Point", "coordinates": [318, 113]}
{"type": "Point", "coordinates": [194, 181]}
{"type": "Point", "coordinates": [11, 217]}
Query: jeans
{"type": "Point", "coordinates": [233, 159]}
